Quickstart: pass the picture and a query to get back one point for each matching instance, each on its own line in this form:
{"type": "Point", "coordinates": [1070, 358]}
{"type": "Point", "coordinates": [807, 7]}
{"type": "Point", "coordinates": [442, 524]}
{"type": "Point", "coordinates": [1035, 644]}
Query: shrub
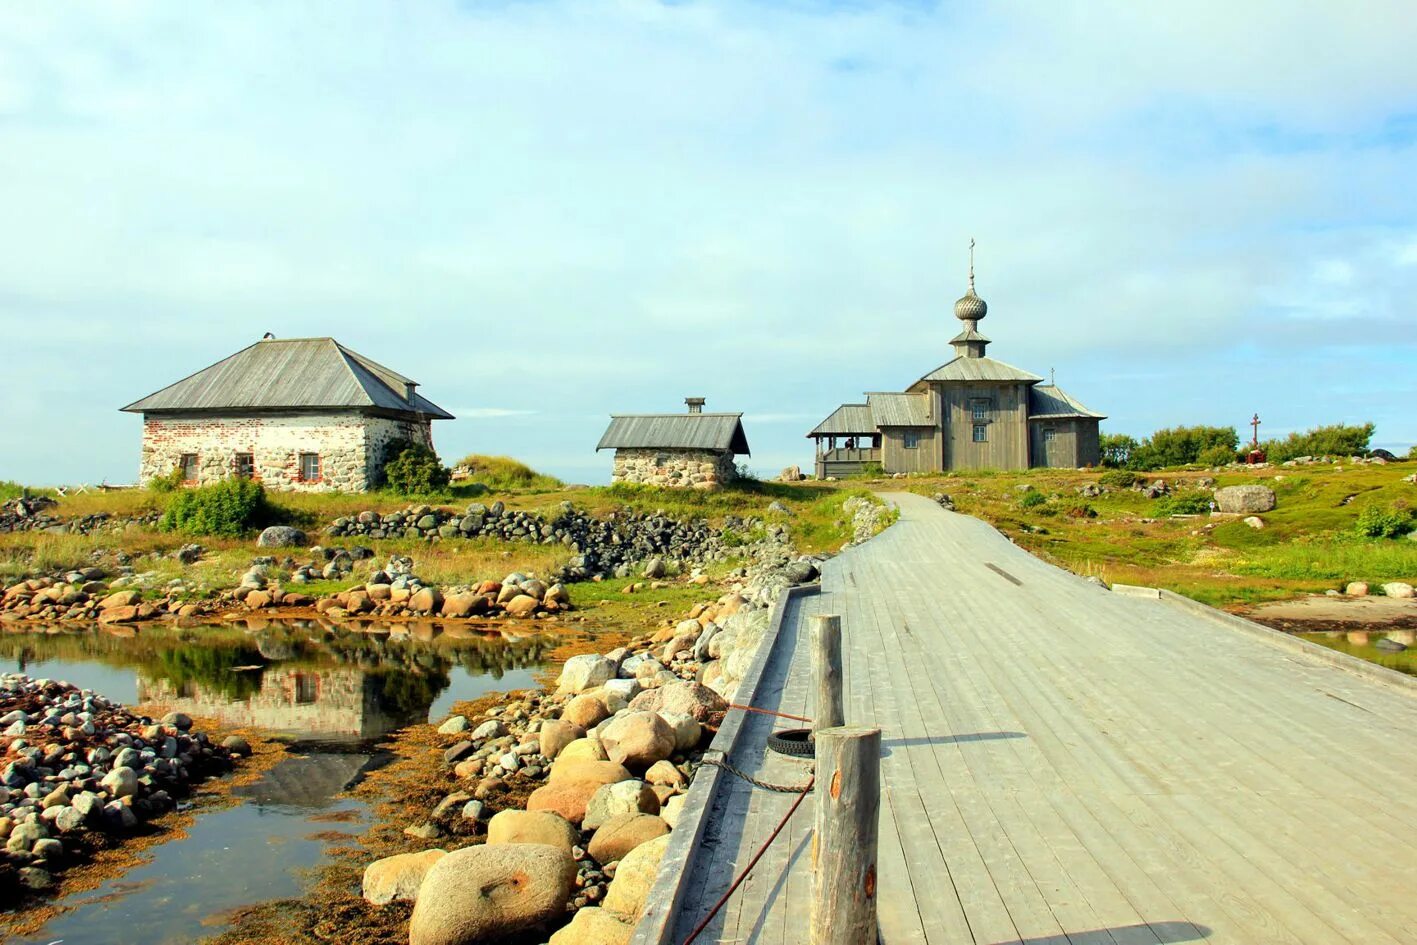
{"type": "Point", "coordinates": [228, 508]}
{"type": "Point", "coordinates": [1032, 499]}
{"type": "Point", "coordinates": [169, 483]}
{"type": "Point", "coordinates": [414, 469]}
{"type": "Point", "coordinates": [1185, 503]}
{"type": "Point", "coordinates": [872, 470]}
{"type": "Point", "coordinates": [1081, 510]}
{"type": "Point", "coordinates": [1182, 446]}
{"type": "Point", "coordinates": [504, 473]}
{"type": "Point", "coordinates": [1335, 440]}
{"type": "Point", "coordinates": [1116, 449]}
{"type": "Point", "coordinates": [1118, 479]}
{"type": "Point", "coordinates": [1216, 456]}
{"type": "Point", "coordinates": [1377, 522]}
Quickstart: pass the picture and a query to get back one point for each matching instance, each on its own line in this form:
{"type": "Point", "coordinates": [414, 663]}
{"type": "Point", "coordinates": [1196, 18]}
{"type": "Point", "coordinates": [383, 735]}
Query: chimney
{"type": "Point", "coordinates": [408, 389]}
{"type": "Point", "coordinates": [696, 404]}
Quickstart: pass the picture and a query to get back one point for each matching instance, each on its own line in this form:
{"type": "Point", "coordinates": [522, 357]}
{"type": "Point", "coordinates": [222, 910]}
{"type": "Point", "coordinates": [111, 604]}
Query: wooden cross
{"type": "Point", "coordinates": [1255, 424]}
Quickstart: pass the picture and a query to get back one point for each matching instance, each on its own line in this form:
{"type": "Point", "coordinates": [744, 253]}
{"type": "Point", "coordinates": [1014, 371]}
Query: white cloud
{"type": "Point", "coordinates": [574, 209]}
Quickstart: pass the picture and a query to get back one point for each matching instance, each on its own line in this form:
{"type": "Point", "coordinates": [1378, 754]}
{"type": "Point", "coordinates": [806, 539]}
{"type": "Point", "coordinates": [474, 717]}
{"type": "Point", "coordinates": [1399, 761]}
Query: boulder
{"type": "Point", "coordinates": [683, 697]}
{"type": "Point", "coordinates": [669, 811]}
{"type": "Point", "coordinates": [791, 474]}
{"type": "Point", "coordinates": [622, 833]}
{"type": "Point", "coordinates": [584, 749]}
{"type": "Point", "coordinates": [1245, 500]}
{"type": "Point", "coordinates": [1356, 589]}
{"type": "Point", "coordinates": [555, 735]}
{"type": "Point", "coordinates": [425, 600]}
{"type": "Point", "coordinates": [637, 739]}
{"type": "Point", "coordinates": [623, 797]}
{"type": "Point", "coordinates": [585, 711]}
{"type": "Point", "coordinates": [584, 672]}
{"type": "Point", "coordinates": [280, 536]}
{"type": "Point", "coordinates": [485, 893]}
{"type": "Point", "coordinates": [687, 732]}
{"type": "Point", "coordinates": [522, 606]}
{"type": "Point", "coordinates": [579, 769]}
{"type": "Point", "coordinates": [462, 605]}
{"type": "Point", "coordinates": [664, 772]}
{"type": "Point", "coordinates": [398, 877]}
{"type": "Point", "coordinates": [119, 599]}
{"type": "Point", "coordinates": [120, 782]}
{"type": "Point", "coordinates": [529, 826]}
{"type": "Point", "coordinates": [572, 785]}
{"type": "Point", "coordinates": [633, 879]}
{"type": "Point", "coordinates": [593, 926]}
{"type": "Point", "coordinates": [1399, 589]}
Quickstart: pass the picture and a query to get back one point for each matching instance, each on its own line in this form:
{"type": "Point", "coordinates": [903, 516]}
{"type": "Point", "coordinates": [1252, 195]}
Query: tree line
{"type": "Point", "coordinates": [1217, 446]}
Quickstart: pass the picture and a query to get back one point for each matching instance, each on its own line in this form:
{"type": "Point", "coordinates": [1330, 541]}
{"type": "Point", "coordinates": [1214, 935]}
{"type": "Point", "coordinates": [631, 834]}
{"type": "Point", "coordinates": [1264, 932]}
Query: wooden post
{"type": "Point", "coordinates": [826, 661]}
{"type": "Point", "coordinates": [844, 846]}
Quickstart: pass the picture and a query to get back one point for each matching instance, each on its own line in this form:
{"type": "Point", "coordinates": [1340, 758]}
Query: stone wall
{"type": "Point", "coordinates": [350, 447]}
{"type": "Point", "coordinates": [685, 469]}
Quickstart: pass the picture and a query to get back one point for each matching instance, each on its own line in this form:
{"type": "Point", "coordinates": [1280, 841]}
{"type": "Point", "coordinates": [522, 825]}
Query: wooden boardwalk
{"type": "Point", "coordinates": [1068, 766]}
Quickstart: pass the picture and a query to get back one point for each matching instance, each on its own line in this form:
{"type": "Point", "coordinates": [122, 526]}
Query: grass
{"type": "Point", "coordinates": [1307, 546]}
{"type": "Point", "coordinates": [505, 474]}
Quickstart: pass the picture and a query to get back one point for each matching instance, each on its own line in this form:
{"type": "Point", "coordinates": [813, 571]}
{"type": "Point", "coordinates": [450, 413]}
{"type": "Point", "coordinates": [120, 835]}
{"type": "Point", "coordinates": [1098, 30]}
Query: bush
{"type": "Point", "coordinates": [1335, 440]}
{"type": "Point", "coordinates": [169, 483]}
{"type": "Point", "coordinates": [1216, 456]}
{"type": "Point", "coordinates": [1185, 503]}
{"type": "Point", "coordinates": [228, 508]}
{"type": "Point", "coordinates": [1118, 479]}
{"type": "Point", "coordinates": [1032, 499]}
{"type": "Point", "coordinates": [1182, 446]}
{"type": "Point", "coordinates": [1377, 522]}
{"type": "Point", "coordinates": [1081, 510]}
{"type": "Point", "coordinates": [1116, 449]}
{"type": "Point", "coordinates": [504, 473]}
{"type": "Point", "coordinates": [414, 469]}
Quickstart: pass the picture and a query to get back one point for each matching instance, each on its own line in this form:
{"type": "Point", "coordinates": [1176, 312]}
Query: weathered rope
{"type": "Point", "coordinates": [780, 715]}
{"type": "Point", "coordinates": [801, 796]}
{"type": "Point", "coordinates": [755, 782]}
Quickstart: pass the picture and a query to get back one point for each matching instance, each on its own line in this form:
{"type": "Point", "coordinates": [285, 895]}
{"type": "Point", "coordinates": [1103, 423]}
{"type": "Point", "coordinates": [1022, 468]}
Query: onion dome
{"type": "Point", "coordinates": [971, 307]}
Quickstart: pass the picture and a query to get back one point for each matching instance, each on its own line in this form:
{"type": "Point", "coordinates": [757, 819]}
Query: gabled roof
{"type": "Point", "coordinates": [291, 373]}
{"type": "Point", "coordinates": [847, 420]}
{"type": "Point", "coordinates": [900, 410]}
{"type": "Point", "coordinates": [1049, 402]}
{"type": "Point", "coordinates": [980, 369]}
{"type": "Point", "coordinates": [676, 431]}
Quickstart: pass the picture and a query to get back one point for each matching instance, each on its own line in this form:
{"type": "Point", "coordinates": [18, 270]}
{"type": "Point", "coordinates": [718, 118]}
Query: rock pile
{"type": "Point", "coordinates": [867, 517]}
{"type": "Point", "coordinates": [32, 513]}
{"type": "Point", "coordinates": [87, 594]}
{"type": "Point", "coordinates": [75, 762]}
{"type": "Point", "coordinates": [606, 547]}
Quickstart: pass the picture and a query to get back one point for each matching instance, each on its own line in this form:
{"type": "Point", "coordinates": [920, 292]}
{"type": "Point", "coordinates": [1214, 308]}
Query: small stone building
{"type": "Point", "coordinates": [685, 450]}
{"type": "Point", "coordinates": [294, 413]}
{"type": "Point", "coordinates": [973, 412]}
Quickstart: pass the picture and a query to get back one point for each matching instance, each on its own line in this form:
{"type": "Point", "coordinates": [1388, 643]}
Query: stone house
{"type": "Point", "coordinates": [973, 412]}
{"type": "Point", "coordinates": [294, 413]}
{"type": "Point", "coordinates": [685, 450]}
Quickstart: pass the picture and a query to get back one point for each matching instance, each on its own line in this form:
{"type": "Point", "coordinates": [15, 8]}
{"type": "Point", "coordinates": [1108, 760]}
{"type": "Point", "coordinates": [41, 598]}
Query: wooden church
{"type": "Point", "coordinates": [973, 412]}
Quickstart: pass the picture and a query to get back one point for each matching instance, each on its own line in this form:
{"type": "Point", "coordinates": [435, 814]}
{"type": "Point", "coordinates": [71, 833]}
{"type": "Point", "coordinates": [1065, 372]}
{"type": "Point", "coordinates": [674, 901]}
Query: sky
{"type": "Point", "coordinates": [546, 212]}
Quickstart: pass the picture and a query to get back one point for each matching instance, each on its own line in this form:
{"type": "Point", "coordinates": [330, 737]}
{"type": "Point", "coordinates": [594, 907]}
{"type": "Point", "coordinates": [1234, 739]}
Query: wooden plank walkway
{"type": "Point", "coordinates": [1068, 766]}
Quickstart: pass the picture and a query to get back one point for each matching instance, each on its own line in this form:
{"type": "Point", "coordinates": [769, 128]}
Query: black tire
{"type": "Point", "coordinates": [793, 741]}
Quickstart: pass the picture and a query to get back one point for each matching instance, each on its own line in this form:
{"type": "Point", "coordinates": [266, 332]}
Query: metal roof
{"type": "Point", "coordinates": [980, 369]}
{"type": "Point", "coordinates": [291, 373]}
{"type": "Point", "coordinates": [676, 431]}
{"type": "Point", "coordinates": [847, 420]}
{"type": "Point", "coordinates": [900, 410]}
{"type": "Point", "coordinates": [1047, 401]}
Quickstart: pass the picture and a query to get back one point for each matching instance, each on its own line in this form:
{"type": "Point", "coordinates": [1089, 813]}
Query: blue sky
{"type": "Point", "coordinates": [546, 212]}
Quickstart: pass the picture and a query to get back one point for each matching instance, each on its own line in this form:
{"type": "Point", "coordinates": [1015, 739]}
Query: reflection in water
{"type": "Point", "coordinates": [303, 679]}
{"type": "Point", "coordinates": [330, 689]}
{"type": "Point", "coordinates": [1391, 648]}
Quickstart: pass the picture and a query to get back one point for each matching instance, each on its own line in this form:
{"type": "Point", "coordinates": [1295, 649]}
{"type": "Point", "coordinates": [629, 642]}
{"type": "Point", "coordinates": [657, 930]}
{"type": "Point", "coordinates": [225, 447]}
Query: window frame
{"type": "Point", "coordinates": [910, 439]}
{"type": "Point", "coordinates": [236, 465]}
{"type": "Point", "coordinates": [980, 409]}
{"type": "Point", "coordinates": [300, 459]}
{"type": "Point", "coordinates": [981, 433]}
{"type": "Point", "coordinates": [195, 465]}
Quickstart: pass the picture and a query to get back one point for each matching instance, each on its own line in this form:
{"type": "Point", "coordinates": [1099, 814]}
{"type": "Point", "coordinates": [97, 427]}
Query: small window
{"type": "Point", "coordinates": [910, 439]}
{"type": "Point", "coordinates": [981, 433]}
{"type": "Point", "coordinates": [245, 465]}
{"type": "Point", "coordinates": [307, 688]}
{"type": "Point", "coordinates": [1048, 434]}
{"type": "Point", "coordinates": [310, 467]}
{"type": "Point", "coordinates": [189, 467]}
{"type": "Point", "coordinates": [979, 410]}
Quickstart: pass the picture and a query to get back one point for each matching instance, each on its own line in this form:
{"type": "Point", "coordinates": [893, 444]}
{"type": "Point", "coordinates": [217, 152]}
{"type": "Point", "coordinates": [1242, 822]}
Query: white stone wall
{"type": "Point", "coordinates": [684, 469]}
{"type": "Point", "coordinates": [350, 447]}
